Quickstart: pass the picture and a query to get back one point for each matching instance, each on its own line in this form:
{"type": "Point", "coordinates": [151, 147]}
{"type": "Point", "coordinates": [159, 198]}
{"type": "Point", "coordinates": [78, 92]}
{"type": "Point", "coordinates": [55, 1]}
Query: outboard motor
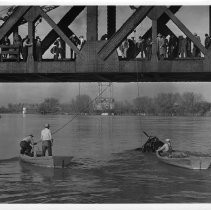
{"type": "Point", "coordinates": [152, 144]}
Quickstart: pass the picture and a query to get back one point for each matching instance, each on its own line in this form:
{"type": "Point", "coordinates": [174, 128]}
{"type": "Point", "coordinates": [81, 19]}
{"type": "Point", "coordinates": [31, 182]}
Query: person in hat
{"type": "Point", "coordinates": [54, 50]}
{"type": "Point", "coordinates": [17, 40]}
{"type": "Point", "coordinates": [60, 50]}
{"type": "Point", "coordinates": [76, 42]}
{"type": "Point", "coordinates": [166, 149]}
{"type": "Point", "coordinates": [149, 48]}
{"type": "Point", "coordinates": [5, 42]}
{"type": "Point", "coordinates": [141, 45]}
{"type": "Point", "coordinates": [26, 145]}
{"type": "Point", "coordinates": [38, 49]}
{"type": "Point", "coordinates": [159, 45]}
{"type": "Point", "coordinates": [173, 46]}
{"type": "Point", "coordinates": [26, 44]}
{"type": "Point", "coordinates": [207, 41]}
{"type": "Point", "coordinates": [57, 49]}
{"type": "Point", "coordinates": [81, 42]}
{"type": "Point", "coordinates": [196, 50]}
{"type": "Point", "coordinates": [47, 140]}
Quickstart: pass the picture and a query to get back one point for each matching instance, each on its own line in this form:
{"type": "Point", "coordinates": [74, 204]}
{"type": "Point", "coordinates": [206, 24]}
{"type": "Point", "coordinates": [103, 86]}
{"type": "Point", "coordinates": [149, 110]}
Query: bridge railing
{"type": "Point", "coordinates": [10, 52]}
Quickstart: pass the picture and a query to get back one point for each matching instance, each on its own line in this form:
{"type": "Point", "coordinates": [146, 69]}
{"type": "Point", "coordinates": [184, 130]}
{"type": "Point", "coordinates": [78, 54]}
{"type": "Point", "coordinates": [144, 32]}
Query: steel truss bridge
{"type": "Point", "coordinates": [97, 60]}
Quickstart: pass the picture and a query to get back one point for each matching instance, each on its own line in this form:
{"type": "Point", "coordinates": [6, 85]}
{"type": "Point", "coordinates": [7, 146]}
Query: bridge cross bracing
{"type": "Point", "coordinates": [98, 60]}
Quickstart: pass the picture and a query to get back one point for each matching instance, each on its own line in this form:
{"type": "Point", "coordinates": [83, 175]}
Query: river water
{"type": "Point", "coordinates": [106, 167]}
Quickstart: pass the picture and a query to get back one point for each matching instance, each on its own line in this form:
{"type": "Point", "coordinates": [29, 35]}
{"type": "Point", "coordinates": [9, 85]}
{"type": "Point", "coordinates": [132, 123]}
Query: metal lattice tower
{"type": "Point", "coordinates": [105, 85]}
{"type": "Point", "coordinates": [107, 97]}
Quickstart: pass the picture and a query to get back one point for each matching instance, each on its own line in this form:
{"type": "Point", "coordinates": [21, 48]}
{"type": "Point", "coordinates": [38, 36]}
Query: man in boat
{"type": "Point", "coordinates": [26, 145]}
{"type": "Point", "coordinates": [47, 140]}
{"type": "Point", "coordinates": [166, 149]}
{"type": "Point", "coordinates": [152, 144]}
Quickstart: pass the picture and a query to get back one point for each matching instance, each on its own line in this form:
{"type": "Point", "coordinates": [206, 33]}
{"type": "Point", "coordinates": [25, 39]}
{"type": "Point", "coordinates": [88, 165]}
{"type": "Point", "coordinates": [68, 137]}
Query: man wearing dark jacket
{"type": "Point", "coordinates": [207, 41]}
{"type": "Point", "coordinates": [26, 145]}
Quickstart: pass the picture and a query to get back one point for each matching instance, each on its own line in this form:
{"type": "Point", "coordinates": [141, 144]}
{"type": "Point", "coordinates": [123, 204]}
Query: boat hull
{"type": "Point", "coordinates": [48, 161]}
{"type": "Point", "coordinates": [189, 161]}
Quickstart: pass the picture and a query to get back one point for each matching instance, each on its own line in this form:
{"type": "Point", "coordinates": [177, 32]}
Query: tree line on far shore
{"type": "Point", "coordinates": [164, 104]}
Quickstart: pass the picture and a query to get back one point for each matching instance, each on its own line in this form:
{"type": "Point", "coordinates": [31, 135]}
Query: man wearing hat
{"type": "Point", "coordinates": [76, 42]}
{"type": "Point", "coordinates": [60, 49]}
{"type": "Point", "coordinates": [159, 45]}
{"type": "Point", "coordinates": [166, 149]}
{"type": "Point", "coordinates": [26, 145]}
{"type": "Point", "coordinates": [196, 50]}
{"type": "Point", "coordinates": [47, 140]}
{"type": "Point", "coordinates": [81, 42]}
{"type": "Point", "coordinates": [38, 50]}
{"type": "Point", "coordinates": [207, 41]}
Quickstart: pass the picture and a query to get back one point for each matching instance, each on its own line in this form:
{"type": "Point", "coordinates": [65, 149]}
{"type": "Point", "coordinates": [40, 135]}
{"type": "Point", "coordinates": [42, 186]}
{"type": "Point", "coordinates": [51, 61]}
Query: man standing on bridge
{"type": "Point", "coordinates": [207, 41]}
{"type": "Point", "coordinates": [46, 140]}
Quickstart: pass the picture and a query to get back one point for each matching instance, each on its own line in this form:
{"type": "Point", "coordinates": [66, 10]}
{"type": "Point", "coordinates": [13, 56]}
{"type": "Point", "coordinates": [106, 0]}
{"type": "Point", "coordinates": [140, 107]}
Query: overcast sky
{"type": "Point", "coordinates": [194, 17]}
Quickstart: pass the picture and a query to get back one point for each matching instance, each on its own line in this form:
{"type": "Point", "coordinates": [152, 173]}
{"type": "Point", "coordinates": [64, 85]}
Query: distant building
{"type": "Point", "coordinates": [30, 108]}
{"type": "Point", "coordinates": [105, 113]}
{"type": "Point", "coordinates": [24, 110]}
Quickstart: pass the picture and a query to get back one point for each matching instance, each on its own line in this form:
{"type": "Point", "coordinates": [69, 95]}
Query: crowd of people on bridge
{"type": "Point", "coordinates": [21, 46]}
{"type": "Point", "coordinates": [58, 50]}
{"type": "Point", "coordinates": [168, 47]}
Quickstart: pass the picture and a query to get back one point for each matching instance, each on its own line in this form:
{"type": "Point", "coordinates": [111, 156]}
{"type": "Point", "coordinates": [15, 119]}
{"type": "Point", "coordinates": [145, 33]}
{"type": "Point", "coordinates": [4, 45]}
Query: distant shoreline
{"type": "Point", "coordinates": [109, 115]}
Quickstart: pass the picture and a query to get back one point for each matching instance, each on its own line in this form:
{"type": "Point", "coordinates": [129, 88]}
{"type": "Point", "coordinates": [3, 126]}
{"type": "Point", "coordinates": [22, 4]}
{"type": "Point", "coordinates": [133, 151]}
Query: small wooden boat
{"type": "Point", "coordinates": [48, 161]}
{"type": "Point", "coordinates": [184, 160]}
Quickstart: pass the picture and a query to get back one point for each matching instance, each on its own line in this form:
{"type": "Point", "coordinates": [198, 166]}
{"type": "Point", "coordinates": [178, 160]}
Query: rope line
{"type": "Point", "coordinates": [137, 80]}
{"type": "Point", "coordinates": [76, 115]}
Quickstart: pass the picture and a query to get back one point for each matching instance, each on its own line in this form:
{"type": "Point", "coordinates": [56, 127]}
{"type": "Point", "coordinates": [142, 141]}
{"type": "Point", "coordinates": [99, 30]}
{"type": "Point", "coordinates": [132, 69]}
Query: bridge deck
{"type": "Point", "coordinates": [127, 71]}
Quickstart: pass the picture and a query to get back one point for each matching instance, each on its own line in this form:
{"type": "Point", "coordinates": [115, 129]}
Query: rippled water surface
{"type": "Point", "coordinates": [106, 167]}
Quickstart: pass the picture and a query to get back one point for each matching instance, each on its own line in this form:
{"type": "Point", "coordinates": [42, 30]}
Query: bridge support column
{"type": "Point", "coordinates": [154, 58]}
{"type": "Point", "coordinates": [31, 16]}
{"type": "Point", "coordinates": [92, 23]}
{"type": "Point", "coordinates": [15, 31]}
{"type": "Point", "coordinates": [154, 15]}
{"type": "Point", "coordinates": [30, 58]}
{"type": "Point", "coordinates": [111, 20]}
{"type": "Point", "coordinates": [64, 48]}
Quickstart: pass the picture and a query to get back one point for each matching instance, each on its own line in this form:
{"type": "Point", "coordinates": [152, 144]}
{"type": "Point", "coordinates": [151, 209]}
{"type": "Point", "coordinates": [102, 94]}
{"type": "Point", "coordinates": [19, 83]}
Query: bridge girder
{"type": "Point", "coordinates": [63, 24]}
{"type": "Point", "coordinates": [98, 60]}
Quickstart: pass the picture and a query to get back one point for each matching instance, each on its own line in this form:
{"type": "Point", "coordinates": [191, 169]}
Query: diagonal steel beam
{"type": "Point", "coordinates": [13, 20]}
{"type": "Point", "coordinates": [159, 28]}
{"type": "Point", "coordinates": [33, 14]}
{"type": "Point", "coordinates": [60, 32]}
{"type": "Point", "coordinates": [63, 25]}
{"type": "Point", "coordinates": [124, 31]}
{"type": "Point", "coordinates": [183, 28]}
{"type": "Point", "coordinates": [162, 21]}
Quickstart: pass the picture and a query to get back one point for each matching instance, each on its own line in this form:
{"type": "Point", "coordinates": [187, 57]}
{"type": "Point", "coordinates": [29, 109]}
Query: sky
{"type": "Point", "coordinates": [194, 17]}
